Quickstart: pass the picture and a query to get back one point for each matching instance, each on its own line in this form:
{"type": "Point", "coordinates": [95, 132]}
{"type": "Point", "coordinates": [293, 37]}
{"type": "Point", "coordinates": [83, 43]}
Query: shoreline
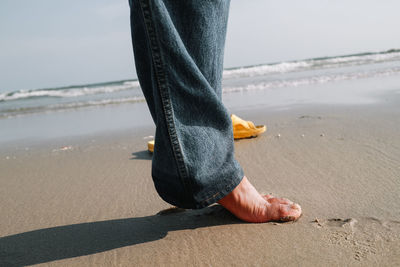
{"type": "Point", "coordinates": [135, 120]}
{"type": "Point", "coordinates": [119, 117]}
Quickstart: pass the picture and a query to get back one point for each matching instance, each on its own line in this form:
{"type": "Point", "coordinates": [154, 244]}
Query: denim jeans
{"type": "Point", "coordinates": [178, 47]}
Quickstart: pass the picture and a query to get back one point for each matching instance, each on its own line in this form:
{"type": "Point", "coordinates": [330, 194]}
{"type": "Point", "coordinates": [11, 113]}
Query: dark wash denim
{"type": "Point", "coordinates": [178, 47]}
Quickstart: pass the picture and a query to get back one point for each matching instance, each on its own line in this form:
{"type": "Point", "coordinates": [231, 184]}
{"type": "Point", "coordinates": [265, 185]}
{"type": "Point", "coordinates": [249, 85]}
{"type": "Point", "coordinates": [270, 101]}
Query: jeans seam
{"type": "Point", "coordinates": [162, 83]}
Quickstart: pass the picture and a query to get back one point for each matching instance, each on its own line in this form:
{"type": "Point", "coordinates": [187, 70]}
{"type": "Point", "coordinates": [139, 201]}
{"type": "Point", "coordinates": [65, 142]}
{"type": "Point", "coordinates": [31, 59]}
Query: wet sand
{"type": "Point", "coordinates": [90, 201]}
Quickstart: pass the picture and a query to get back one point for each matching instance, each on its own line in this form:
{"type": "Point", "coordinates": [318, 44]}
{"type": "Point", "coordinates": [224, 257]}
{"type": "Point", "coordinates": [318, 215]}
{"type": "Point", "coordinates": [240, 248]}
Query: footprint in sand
{"type": "Point", "coordinates": [364, 236]}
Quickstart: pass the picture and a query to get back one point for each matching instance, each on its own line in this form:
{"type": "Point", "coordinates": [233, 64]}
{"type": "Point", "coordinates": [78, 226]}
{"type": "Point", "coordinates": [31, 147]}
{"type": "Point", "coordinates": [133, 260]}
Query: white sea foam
{"type": "Point", "coordinates": [265, 69]}
{"type": "Point", "coordinates": [98, 103]}
{"type": "Point", "coordinates": [65, 106]}
{"type": "Point", "coordinates": [132, 83]}
{"type": "Point", "coordinates": [320, 63]}
{"type": "Point", "coordinates": [320, 79]}
{"type": "Point", "coordinates": [69, 91]}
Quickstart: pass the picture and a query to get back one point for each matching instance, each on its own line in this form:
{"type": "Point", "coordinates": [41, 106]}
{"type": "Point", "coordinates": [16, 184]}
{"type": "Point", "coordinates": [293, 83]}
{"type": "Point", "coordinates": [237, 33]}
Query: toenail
{"type": "Point", "coordinates": [296, 206]}
{"type": "Point", "coordinates": [287, 218]}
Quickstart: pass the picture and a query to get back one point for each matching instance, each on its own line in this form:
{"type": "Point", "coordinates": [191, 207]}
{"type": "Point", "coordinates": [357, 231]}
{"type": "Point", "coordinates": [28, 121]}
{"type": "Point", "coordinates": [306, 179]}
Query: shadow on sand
{"type": "Point", "coordinates": [144, 154]}
{"type": "Point", "coordinates": [56, 243]}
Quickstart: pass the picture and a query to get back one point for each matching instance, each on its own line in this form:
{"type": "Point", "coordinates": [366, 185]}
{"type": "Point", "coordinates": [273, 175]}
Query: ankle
{"type": "Point", "coordinates": [244, 199]}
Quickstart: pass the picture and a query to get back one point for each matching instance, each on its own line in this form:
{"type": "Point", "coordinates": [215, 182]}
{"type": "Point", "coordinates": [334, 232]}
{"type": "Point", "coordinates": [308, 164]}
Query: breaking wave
{"type": "Point", "coordinates": [314, 63]}
{"type": "Point", "coordinates": [72, 91]}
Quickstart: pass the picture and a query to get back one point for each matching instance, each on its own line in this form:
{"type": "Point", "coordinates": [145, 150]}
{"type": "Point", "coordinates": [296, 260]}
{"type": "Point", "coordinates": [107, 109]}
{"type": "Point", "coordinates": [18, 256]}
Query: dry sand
{"type": "Point", "coordinates": [91, 201]}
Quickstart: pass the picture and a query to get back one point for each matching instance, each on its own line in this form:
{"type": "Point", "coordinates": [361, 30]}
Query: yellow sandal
{"type": "Point", "coordinates": [241, 129]}
{"type": "Point", "coordinates": [245, 129]}
{"type": "Point", "coordinates": [150, 146]}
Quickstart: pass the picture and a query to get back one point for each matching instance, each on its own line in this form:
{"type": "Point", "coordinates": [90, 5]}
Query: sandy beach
{"type": "Point", "coordinates": [80, 84]}
{"type": "Point", "coordinates": [76, 187]}
{"type": "Point", "coordinates": [90, 201]}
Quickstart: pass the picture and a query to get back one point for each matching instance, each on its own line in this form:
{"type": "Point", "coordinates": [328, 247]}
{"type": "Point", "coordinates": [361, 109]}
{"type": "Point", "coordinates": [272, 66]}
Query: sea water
{"type": "Point", "coordinates": [84, 109]}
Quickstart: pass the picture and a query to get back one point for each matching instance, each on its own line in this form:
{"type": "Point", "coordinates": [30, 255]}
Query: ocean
{"type": "Point", "coordinates": [275, 84]}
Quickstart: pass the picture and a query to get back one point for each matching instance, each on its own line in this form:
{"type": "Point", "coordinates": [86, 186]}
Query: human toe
{"type": "Point", "coordinates": [290, 212]}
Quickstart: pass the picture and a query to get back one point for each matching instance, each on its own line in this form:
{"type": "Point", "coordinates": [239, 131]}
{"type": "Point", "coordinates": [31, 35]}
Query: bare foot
{"type": "Point", "coordinates": [248, 205]}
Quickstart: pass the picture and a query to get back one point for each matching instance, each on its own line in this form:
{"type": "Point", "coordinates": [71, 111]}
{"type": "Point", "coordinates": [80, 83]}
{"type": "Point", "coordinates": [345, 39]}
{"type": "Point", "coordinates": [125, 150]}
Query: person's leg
{"type": "Point", "coordinates": [178, 47]}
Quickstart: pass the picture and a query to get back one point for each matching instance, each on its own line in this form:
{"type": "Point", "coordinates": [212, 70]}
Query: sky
{"type": "Point", "coordinates": [47, 43]}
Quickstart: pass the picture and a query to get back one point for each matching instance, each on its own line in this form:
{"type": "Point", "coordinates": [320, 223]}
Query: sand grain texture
{"type": "Point", "coordinates": [94, 203]}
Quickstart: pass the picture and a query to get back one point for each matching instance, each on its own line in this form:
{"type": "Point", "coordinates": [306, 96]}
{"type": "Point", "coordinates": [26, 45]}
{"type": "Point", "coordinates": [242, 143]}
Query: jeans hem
{"type": "Point", "coordinates": [222, 193]}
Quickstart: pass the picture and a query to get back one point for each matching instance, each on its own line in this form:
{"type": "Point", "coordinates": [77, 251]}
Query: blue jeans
{"type": "Point", "coordinates": [178, 48]}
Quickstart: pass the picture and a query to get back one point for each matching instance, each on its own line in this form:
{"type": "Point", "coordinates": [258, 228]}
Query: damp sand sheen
{"type": "Point", "coordinates": [87, 199]}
